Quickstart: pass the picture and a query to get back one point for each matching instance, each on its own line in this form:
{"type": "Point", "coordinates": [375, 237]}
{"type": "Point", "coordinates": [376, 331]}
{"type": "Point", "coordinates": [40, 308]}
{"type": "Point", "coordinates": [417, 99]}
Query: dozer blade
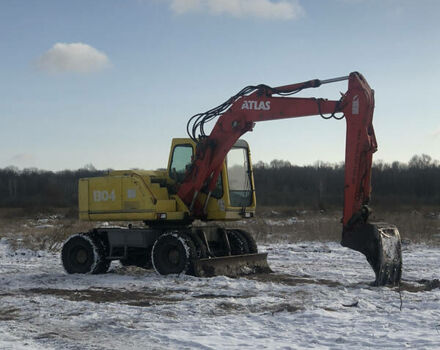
{"type": "Point", "coordinates": [380, 243]}
{"type": "Point", "coordinates": [232, 266]}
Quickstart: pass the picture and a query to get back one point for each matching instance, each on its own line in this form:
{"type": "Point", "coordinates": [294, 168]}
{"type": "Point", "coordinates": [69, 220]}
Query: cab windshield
{"type": "Point", "coordinates": [240, 189]}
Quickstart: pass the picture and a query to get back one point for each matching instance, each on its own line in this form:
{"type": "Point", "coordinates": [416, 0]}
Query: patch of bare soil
{"type": "Point", "coordinates": [48, 335]}
{"type": "Point", "coordinates": [220, 296]}
{"type": "Point", "coordinates": [282, 307]}
{"type": "Point", "coordinates": [290, 280]}
{"type": "Point", "coordinates": [420, 285]}
{"type": "Point", "coordinates": [231, 307]}
{"type": "Point", "coordinates": [8, 313]}
{"type": "Point", "coordinates": [106, 295]}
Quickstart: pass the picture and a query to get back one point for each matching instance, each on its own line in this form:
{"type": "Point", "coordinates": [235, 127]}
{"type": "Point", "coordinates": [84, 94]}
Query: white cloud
{"type": "Point", "coordinates": [266, 9]}
{"type": "Point", "coordinates": [74, 57]}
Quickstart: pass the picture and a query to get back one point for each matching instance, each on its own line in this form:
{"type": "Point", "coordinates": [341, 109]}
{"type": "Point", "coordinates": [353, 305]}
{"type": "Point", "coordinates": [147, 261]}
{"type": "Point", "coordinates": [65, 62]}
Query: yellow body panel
{"type": "Point", "coordinates": [141, 195]}
{"type": "Point", "coordinates": [127, 195]}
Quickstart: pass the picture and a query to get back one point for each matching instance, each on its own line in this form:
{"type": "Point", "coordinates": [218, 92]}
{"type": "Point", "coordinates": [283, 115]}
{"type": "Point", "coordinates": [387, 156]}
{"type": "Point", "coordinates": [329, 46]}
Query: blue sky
{"type": "Point", "coordinates": [111, 82]}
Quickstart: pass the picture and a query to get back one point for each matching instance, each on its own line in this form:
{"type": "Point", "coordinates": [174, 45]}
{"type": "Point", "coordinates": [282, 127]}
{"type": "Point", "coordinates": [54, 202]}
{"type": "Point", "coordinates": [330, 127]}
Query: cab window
{"type": "Point", "coordinates": [240, 189]}
{"type": "Point", "coordinates": [181, 159]}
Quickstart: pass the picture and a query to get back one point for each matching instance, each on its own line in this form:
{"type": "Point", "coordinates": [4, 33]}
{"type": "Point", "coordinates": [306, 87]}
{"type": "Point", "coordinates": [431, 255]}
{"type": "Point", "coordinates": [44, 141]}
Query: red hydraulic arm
{"type": "Point", "coordinates": [259, 104]}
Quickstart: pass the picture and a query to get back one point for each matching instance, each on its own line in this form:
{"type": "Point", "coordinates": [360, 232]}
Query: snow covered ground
{"type": "Point", "coordinates": [319, 297]}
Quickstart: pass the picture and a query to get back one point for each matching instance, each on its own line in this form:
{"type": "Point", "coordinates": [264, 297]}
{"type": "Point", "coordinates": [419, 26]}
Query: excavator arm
{"type": "Point", "coordinates": [357, 105]}
{"type": "Point", "coordinates": [379, 242]}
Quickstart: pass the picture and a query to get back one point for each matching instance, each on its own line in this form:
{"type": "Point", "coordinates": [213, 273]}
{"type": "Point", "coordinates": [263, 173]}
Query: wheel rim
{"type": "Point", "coordinates": [81, 256]}
{"type": "Point", "coordinates": [174, 256]}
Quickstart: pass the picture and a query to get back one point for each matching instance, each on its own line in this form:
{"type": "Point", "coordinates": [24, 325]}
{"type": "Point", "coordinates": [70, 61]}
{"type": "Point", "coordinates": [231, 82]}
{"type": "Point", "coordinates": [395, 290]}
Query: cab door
{"type": "Point", "coordinates": [181, 156]}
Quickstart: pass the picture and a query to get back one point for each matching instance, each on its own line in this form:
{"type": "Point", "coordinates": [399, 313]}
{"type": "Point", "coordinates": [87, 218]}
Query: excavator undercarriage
{"type": "Point", "coordinates": [204, 251]}
{"type": "Point", "coordinates": [209, 178]}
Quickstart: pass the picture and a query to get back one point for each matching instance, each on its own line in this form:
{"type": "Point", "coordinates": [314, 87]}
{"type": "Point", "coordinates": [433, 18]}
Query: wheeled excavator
{"type": "Point", "coordinates": [209, 179]}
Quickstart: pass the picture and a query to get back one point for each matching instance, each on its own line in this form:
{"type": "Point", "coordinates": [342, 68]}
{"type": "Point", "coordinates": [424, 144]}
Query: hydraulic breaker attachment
{"type": "Point", "coordinates": [380, 243]}
{"type": "Point", "coordinates": [232, 265]}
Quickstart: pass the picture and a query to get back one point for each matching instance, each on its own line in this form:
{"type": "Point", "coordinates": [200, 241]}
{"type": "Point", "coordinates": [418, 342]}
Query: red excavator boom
{"type": "Point", "coordinates": [379, 242]}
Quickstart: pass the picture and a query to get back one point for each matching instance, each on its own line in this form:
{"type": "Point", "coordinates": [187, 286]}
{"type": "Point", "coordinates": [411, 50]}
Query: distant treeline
{"type": "Point", "coordinates": [41, 188]}
{"type": "Point", "coordinates": [319, 186]}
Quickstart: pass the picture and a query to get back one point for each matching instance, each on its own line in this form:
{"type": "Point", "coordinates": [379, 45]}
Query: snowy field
{"type": "Point", "coordinates": [318, 297]}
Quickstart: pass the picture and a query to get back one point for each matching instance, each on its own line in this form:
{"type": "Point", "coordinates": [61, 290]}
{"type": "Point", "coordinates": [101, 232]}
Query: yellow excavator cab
{"type": "Point", "coordinates": [234, 195]}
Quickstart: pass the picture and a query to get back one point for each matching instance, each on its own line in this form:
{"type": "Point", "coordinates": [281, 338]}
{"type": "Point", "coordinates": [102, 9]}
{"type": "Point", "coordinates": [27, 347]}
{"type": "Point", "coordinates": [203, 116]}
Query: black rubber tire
{"type": "Point", "coordinates": [173, 253]}
{"type": "Point", "coordinates": [237, 242]}
{"type": "Point", "coordinates": [252, 245]}
{"type": "Point", "coordinates": [101, 244]}
{"type": "Point", "coordinates": [81, 254]}
{"type": "Point", "coordinates": [201, 250]}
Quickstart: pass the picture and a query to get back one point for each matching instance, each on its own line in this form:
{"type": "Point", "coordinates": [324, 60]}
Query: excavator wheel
{"type": "Point", "coordinates": [82, 253]}
{"type": "Point", "coordinates": [201, 250]}
{"type": "Point", "coordinates": [252, 245]}
{"type": "Point", "coordinates": [238, 242]}
{"type": "Point", "coordinates": [173, 253]}
{"type": "Point", "coordinates": [101, 242]}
